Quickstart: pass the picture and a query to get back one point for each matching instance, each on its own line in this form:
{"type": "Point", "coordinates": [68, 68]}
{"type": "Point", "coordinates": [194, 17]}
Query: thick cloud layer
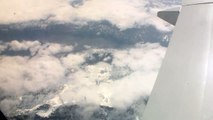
{"type": "Point", "coordinates": [78, 80]}
{"type": "Point", "coordinates": [122, 13]}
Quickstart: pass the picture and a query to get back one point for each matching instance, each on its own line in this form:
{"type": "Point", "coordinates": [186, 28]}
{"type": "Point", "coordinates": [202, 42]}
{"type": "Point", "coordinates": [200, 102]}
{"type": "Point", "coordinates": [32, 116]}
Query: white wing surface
{"type": "Point", "coordinates": [184, 87]}
{"type": "Point", "coordinates": [193, 2]}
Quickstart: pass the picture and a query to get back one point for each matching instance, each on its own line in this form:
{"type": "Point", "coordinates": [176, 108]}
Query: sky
{"type": "Point", "coordinates": [79, 52]}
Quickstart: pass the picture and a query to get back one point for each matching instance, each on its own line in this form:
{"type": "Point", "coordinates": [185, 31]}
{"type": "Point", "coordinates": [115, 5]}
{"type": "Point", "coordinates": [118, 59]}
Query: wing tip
{"type": "Point", "coordinates": [170, 15]}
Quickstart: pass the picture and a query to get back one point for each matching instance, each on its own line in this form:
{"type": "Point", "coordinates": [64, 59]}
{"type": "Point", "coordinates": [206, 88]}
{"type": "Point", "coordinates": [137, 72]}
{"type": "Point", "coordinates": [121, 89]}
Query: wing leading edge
{"type": "Point", "coordinates": [183, 90]}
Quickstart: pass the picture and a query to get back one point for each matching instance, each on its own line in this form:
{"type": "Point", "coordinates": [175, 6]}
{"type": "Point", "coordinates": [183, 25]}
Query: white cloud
{"type": "Point", "coordinates": [72, 61]}
{"type": "Point", "coordinates": [25, 10]}
{"type": "Point", "coordinates": [8, 104]}
{"type": "Point", "coordinates": [2, 48]}
{"type": "Point", "coordinates": [148, 56]}
{"type": "Point", "coordinates": [24, 74]}
{"type": "Point", "coordinates": [21, 75]}
{"type": "Point", "coordinates": [35, 47]}
{"type": "Point", "coordinates": [84, 86]}
{"type": "Point", "coordinates": [84, 83]}
{"type": "Point", "coordinates": [93, 84]}
{"type": "Point", "coordinates": [145, 61]}
{"type": "Point", "coordinates": [123, 13]}
{"type": "Point", "coordinates": [24, 45]}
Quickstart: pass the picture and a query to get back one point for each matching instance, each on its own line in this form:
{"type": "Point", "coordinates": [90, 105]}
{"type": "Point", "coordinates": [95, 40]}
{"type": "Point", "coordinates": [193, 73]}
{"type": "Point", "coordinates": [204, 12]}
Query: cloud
{"type": "Point", "coordinates": [24, 45]}
{"type": "Point", "coordinates": [2, 48]}
{"type": "Point", "coordinates": [25, 10]}
{"type": "Point", "coordinates": [21, 75]}
{"type": "Point", "coordinates": [73, 61]}
{"type": "Point", "coordinates": [119, 83]}
{"type": "Point", "coordinates": [25, 74]}
{"type": "Point", "coordinates": [8, 104]}
{"type": "Point", "coordinates": [36, 47]}
{"type": "Point", "coordinates": [122, 13]}
{"type": "Point", "coordinates": [144, 61]}
{"type": "Point", "coordinates": [94, 83]}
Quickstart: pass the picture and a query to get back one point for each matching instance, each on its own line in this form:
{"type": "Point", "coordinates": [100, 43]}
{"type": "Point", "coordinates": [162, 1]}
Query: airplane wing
{"type": "Point", "coordinates": [170, 15]}
{"type": "Point", "coordinates": [184, 87]}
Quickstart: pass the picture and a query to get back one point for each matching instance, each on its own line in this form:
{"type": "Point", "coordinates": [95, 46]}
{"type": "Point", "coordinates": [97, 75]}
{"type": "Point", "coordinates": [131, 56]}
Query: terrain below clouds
{"type": "Point", "coordinates": [95, 34]}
